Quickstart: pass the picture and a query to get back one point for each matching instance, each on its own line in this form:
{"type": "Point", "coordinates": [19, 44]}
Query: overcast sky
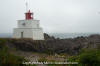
{"type": "Point", "coordinates": [56, 16]}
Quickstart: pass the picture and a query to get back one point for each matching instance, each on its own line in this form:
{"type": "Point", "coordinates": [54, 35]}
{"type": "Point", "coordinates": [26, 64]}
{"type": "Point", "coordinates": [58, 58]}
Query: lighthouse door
{"type": "Point", "coordinates": [21, 34]}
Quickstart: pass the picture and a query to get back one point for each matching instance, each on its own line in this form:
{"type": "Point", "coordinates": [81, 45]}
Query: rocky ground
{"type": "Point", "coordinates": [50, 49]}
{"type": "Point", "coordinates": [52, 45]}
{"type": "Point", "coordinates": [35, 57]}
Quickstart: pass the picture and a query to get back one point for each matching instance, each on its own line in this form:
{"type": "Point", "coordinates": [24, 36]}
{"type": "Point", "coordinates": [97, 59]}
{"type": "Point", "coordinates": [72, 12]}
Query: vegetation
{"type": "Point", "coordinates": [87, 57]}
{"type": "Point", "coordinates": [90, 56]}
{"type": "Point", "coordinates": [8, 59]}
{"type": "Point", "coordinates": [43, 59]}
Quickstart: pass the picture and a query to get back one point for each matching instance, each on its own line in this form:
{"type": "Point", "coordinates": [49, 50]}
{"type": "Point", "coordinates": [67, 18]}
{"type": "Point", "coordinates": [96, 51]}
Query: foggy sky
{"type": "Point", "coordinates": [56, 16]}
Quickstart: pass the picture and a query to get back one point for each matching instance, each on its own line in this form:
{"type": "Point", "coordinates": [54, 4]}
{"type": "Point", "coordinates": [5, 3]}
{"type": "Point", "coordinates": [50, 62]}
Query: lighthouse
{"type": "Point", "coordinates": [28, 28]}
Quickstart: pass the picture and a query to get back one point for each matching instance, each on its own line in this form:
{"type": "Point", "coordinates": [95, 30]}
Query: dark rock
{"type": "Point", "coordinates": [51, 44]}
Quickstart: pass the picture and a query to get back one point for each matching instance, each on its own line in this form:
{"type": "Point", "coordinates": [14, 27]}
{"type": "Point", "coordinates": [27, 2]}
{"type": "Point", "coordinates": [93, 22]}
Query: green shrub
{"type": "Point", "coordinates": [90, 57]}
{"type": "Point", "coordinates": [7, 58]}
{"type": "Point", "coordinates": [2, 41]}
{"type": "Point", "coordinates": [87, 57]}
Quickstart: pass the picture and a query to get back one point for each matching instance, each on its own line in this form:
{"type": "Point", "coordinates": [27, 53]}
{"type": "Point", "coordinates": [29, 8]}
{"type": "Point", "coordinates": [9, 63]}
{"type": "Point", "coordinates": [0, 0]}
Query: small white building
{"type": "Point", "coordinates": [28, 28]}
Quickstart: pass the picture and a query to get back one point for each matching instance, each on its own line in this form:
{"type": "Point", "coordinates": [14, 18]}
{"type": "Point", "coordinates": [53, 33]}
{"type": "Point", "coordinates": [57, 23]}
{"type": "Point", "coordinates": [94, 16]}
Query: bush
{"type": "Point", "coordinates": [87, 57]}
{"type": "Point", "coordinates": [8, 59]}
{"type": "Point", "coordinates": [90, 57]}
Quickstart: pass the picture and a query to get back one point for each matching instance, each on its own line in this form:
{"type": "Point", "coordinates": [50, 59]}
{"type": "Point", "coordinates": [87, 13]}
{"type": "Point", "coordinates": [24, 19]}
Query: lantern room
{"type": "Point", "coordinates": [29, 15]}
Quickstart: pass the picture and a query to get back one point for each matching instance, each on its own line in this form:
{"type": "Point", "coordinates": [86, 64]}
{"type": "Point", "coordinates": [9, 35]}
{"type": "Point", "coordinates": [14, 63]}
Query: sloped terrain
{"type": "Point", "coordinates": [52, 45]}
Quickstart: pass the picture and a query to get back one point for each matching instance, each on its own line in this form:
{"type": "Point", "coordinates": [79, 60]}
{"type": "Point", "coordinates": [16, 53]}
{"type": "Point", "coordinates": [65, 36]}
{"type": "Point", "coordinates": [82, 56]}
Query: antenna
{"type": "Point", "coordinates": [26, 6]}
{"type": "Point", "coordinates": [26, 3]}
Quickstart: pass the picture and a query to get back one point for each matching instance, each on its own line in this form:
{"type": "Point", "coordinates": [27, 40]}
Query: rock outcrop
{"type": "Point", "coordinates": [53, 45]}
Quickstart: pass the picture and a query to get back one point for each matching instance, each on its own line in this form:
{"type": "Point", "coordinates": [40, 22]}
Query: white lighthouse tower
{"type": "Point", "coordinates": [28, 28]}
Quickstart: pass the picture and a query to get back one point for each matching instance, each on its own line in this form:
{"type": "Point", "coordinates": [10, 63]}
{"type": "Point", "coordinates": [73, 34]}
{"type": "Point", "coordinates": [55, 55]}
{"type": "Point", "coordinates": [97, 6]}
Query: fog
{"type": "Point", "coordinates": [56, 16]}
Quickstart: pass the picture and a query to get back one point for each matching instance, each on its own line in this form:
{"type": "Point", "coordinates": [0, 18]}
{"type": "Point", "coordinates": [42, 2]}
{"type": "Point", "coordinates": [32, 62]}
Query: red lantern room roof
{"type": "Point", "coordinates": [28, 15]}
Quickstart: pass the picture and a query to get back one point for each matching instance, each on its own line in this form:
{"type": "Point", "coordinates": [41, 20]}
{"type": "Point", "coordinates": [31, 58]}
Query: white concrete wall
{"type": "Point", "coordinates": [27, 33]}
{"type": "Point", "coordinates": [35, 34]}
{"type": "Point", "coordinates": [28, 23]}
{"type": "Point", "coordinates": [38, 34]}
{"type": "Point", "coordinates": [30, 29]}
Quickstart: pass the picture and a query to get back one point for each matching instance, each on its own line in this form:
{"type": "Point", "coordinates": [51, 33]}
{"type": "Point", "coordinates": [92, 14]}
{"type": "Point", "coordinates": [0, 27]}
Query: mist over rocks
{"type": "Point", "coordinates": [53, 45]}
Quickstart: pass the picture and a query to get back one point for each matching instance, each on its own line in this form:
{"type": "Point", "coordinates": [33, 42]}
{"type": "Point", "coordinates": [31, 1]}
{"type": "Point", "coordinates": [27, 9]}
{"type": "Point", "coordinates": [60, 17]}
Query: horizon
{"type": "Point", "coordinates": [56, 35]}
{"type": "Point", "coordinates": [65, 33]}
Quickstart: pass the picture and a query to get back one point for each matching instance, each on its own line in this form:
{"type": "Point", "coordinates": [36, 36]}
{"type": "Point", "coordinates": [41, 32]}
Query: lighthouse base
{"type": "Point", "coordinates": [35, 34]}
